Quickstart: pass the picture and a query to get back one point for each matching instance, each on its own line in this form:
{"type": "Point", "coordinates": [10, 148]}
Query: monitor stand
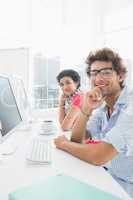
{"type": "Point", "coordinates": [7, 149]}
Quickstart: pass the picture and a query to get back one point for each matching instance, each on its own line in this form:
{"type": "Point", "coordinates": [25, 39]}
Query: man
{"type": "Point", "coordinates": [107, 116]}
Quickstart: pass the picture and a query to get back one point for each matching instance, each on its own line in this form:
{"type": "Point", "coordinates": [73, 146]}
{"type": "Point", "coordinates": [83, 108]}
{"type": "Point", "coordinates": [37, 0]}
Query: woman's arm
{"type": "Point", "coordinates": [62, 108]}
{"type": "Point", "coordinates": [79, 128]}
{"type": "Point", "coordinates": [61, 113]}
{"type": "Point", "coordinates": [68, 121]}
{"type": "Point", "coordinates": [74, 111]}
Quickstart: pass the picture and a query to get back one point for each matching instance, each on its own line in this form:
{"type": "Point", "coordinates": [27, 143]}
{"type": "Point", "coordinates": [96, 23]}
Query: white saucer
{"type": "Point", "coordinates": [46, 132]}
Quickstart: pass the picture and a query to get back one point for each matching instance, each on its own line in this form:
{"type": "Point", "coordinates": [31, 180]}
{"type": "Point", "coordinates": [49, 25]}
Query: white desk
{"type": "Point", "coordinates": [16, 172]}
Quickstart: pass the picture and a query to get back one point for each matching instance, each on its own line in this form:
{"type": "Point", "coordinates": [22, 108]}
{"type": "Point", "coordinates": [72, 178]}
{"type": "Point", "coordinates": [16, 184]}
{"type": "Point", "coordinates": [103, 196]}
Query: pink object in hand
{"type": "Point", "coordinates": [92, 142]}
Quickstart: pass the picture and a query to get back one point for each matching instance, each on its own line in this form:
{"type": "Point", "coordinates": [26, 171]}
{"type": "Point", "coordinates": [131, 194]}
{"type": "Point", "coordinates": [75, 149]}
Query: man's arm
{"type": "Point", "coordinates": [96, 154]}
{"type": "Point", "coordinates": [92, 100]}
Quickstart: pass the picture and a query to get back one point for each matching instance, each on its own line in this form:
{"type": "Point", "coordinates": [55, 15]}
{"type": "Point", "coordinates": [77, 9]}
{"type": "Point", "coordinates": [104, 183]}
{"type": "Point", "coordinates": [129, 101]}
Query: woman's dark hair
{"type": "Point", "coordinates": [70, 73]}
{"type": "Point", "coordinates": [106, 55]}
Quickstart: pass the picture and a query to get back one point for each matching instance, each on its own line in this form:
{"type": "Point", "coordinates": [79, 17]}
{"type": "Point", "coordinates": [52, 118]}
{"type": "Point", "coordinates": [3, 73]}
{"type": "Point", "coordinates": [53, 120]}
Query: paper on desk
{"type": "Point", "coordinates": [61, 187]}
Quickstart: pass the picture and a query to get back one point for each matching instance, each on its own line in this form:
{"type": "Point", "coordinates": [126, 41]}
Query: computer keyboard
{"type": "Point", "coordinates": [39, 151]}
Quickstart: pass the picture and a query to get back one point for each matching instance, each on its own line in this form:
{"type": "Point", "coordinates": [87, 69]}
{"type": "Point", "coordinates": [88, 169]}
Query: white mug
{"type": "Point", "coordinates": [47, 127]}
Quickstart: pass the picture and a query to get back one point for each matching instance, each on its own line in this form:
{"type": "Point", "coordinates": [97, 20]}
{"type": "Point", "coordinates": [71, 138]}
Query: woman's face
{"type": "Point", "coordinates": [67, 85]}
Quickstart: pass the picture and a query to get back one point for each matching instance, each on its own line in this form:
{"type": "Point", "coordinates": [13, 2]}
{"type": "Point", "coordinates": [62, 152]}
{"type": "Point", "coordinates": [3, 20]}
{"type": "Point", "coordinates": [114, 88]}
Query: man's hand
{"type": "Point", "coordinates": [92, 100]}
{"type": "Point", "coordinates": [60, 141]}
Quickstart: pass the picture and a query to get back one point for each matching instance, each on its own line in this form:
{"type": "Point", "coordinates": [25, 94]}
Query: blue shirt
{"type": "Point", "coordinates": [118, 131]}
{"type": "Point", "coordinates": [99, 123]}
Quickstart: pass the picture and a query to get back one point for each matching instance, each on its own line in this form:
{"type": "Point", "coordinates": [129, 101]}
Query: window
{"type": "Point", "coordinates": [45, 89]}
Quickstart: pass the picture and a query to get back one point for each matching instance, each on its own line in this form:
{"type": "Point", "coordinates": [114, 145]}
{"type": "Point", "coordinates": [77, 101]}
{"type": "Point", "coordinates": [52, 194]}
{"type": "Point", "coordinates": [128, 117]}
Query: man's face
{"type": "Point", "coordinates": [104, 76]}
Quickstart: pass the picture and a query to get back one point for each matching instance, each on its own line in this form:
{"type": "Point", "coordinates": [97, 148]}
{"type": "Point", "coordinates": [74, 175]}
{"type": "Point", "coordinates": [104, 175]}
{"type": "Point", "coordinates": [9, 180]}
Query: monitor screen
{"type": "Point", "coordinates": [21, 97]}
{"type": "Point", "coordinates": [9, 113]}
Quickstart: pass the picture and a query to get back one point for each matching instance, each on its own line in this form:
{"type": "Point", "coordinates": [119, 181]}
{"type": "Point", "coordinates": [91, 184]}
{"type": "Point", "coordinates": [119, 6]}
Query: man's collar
{"type": "Point", "coordinates": [120, 101]}
{"type": "Point", "coordinates": [123, 96]}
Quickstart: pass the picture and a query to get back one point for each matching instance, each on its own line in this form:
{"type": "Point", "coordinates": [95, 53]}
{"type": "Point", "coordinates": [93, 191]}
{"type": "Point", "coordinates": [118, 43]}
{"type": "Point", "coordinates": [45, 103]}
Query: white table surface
{"type": "Point", "coordinates": [16, 172]}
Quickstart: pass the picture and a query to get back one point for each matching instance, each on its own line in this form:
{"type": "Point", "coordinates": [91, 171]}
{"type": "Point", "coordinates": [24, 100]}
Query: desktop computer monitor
{"type": "Point", "coordinates": [20, 94]}
{"type": "Point", "coordinates": [10, 116]}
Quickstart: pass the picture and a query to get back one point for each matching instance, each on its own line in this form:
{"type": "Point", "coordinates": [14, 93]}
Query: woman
{"type": "Point", "coordinates": [71, 98]}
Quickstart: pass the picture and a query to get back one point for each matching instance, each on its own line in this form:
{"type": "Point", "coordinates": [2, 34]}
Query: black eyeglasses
{"type": "Point", "coordinates": [105, 72]}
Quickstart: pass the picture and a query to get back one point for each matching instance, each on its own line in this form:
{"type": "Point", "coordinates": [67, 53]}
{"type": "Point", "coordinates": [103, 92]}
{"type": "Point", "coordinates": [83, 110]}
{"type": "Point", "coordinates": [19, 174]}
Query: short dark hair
{"type": "Point", "coordinates": [70, 73]}
{"type": "Point", "coordinates": [107, 55]}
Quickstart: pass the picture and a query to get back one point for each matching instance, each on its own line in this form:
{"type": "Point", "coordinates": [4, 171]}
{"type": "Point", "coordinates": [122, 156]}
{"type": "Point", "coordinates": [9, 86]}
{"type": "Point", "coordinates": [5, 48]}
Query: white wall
{"type": "Point", "coordinates": [15, 61]}
{"type": "Point", "coordinates": [15, 30]}
{"type": "Point", "coordinates": [69, 29]}
{"type": "Point", "coordinates": [116, 5]}
{"type": "Point", "coordinates": [118, 31]}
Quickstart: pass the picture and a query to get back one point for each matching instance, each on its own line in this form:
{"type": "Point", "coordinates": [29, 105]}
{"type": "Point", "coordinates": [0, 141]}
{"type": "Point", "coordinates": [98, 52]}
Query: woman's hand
{"type": "Point", "coordinates": [62, 100]}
